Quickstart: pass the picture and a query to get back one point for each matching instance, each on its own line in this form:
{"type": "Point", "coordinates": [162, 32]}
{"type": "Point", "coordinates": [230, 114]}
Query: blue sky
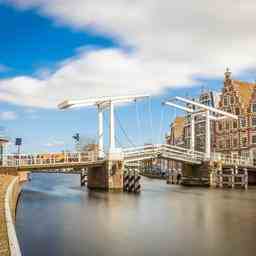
{"type": "Point", "coordinates": [48, 55]}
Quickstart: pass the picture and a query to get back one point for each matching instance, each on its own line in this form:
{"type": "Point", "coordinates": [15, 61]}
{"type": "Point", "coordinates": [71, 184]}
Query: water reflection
{"type": "Point", "coordinates": [57, 217]}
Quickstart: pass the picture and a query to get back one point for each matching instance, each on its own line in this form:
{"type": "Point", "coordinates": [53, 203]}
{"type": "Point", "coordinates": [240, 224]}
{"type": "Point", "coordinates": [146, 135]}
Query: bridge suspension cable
{"type": "Point", "coordinates": [138, 121]}
{"type": "Point", "coordinates": [150, 118]}
{"type": "Point", "coordinates": [123, 130]}
{"type": "Point", "coordinates": [161, 122]}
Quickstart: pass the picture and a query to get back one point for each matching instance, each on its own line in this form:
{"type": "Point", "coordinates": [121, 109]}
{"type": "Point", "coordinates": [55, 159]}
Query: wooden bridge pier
{"type": "Point", "coordinates": [230, 178]}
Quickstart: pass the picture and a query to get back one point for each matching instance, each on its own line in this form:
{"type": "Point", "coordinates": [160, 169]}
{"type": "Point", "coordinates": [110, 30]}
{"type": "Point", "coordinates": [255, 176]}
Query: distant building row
{"type": "Point", "coordinates": [232, 137]}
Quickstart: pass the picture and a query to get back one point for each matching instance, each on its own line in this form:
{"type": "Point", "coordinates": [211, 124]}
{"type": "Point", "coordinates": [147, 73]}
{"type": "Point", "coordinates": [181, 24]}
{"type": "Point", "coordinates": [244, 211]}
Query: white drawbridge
{"type": "Point", "coordinates": [137, 153]}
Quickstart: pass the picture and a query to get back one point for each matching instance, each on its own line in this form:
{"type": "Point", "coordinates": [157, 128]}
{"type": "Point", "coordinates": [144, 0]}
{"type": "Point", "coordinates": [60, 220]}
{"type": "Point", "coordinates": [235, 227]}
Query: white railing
{"type": "Point", "coordinates": [42, 159]}
{"type": "Point", "coordinates": [179, 153]}
{"type": "Point", "coordinates": [165, 150]}
{"type": "Point", "coordinates": [232, 160]}
{"type": "Point", "coordinates": [130, 155]}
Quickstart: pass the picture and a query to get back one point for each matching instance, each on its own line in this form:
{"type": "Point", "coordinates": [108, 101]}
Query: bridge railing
{"type": "Point", "coordinates": [232, 160]}
{"type": "Point", "coordinates": [141, 152]}
{"type": "Point", "coordinates": [166, 150]}
{"type": "Point", "coordinates": [182, 153]}
{"type": "Point", "coordinates": [14, 160]}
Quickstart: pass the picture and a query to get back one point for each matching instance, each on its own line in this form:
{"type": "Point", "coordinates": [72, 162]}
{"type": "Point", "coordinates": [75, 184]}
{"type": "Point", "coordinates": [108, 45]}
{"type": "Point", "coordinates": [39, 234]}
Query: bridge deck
{"type": "Point", "coordinates": [40, 167]}
{"type": "Point", "coordinates": [130, 155]}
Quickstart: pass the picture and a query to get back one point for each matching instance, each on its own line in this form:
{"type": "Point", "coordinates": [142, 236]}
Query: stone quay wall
{"type": "Point", "coordinates": [10, 188]}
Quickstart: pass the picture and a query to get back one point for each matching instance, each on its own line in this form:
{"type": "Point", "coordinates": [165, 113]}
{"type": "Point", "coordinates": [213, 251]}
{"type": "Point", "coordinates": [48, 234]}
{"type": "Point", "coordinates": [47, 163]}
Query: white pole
{"type": "Point", "coordinates": [4, 153]}
{"type": "Point", "coordinates": [100, 132]}
{"type": "Point", "coordinates": [112, 145]}
{"type": "Point", "coordinates": [192, 135]}
{"type": "Point", "coordinates": [207, 135]}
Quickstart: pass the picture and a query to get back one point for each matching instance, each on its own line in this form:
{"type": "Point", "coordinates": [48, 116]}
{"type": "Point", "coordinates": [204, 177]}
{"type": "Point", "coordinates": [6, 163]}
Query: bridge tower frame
{"type": "Point", "coordinates": [103, 103]}
{"type": "Point", "coordinates": [210, 113]}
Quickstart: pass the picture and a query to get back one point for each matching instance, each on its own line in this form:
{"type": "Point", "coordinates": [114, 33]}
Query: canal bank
{"type": "Point", "coordinates": [10, 188]}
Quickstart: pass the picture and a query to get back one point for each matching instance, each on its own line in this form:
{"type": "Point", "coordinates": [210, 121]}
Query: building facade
{"type": "Point", "coordinates": [237, 137]}
{"type": "Point", "coordinates": [3, 149]}
{"type": "Point", "coordinates": [208, 98]}
{"type": "Point", "coordinates": [176, 136]}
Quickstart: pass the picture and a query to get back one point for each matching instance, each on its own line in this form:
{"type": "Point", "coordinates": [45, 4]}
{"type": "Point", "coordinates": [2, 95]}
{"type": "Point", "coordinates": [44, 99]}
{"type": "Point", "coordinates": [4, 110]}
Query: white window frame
{"type": "Point", "coordinates": [225, 98]}
{"type": "Point", "coordinates": [253, 104]}
{"type": "Point", "coordinates": [252, 138]}
{"type": "Point", "coordinates": [240, 122]}
{"type": "Point", "coordinates": [253, 117]}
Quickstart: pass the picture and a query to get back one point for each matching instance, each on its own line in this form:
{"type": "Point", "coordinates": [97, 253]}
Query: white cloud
{"type": "Point", "coordinates": [8, 115]}
{"type": "Point", "coordinates": [55, 143]}
{"type": "Point", "coordinates": [173, 41]}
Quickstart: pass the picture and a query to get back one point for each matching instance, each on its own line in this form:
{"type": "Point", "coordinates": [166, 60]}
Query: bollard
{"type": "Point", "coordinates": [245, 178]}
{"type": "Point", "coordinates": [132, 181]}
{"type": "Point", "coordinates": [83, 177]}
{"type": "Point", "coordinates": [220, 179]}
{"type": "Point", "coordinates": [137, 183]}
{"type": "Point", "coordinates": [233, 178]}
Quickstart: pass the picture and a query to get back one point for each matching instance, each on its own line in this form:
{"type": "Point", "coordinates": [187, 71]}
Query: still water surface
{"type": "Point", "coordinates": [57, 217]}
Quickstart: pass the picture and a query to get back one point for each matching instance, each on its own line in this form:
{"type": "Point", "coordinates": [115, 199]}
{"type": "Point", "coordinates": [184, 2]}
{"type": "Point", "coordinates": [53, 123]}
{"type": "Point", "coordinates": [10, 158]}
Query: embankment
{"type": "Point", "coordinates": [10, 187]}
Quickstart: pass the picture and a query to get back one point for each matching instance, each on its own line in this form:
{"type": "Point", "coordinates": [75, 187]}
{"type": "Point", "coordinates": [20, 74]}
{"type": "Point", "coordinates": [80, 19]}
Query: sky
{"type": "Point", "coordinates": [53, 50]}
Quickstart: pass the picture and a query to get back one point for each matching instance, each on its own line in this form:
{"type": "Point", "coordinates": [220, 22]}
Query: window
{"type": "Point", "coordinates": [221, 144]}
{"type": "Point", "coordinates": [227, 125]}
{"type": "Point", "coordinates": [232, 100]}
{"type": "Point", "coordinates": [237, 111]}
{"type": "Point", "coordinates": [254, 107]}
{"type": "Point", "coordinates": [242, 122]}
{"type": "Point", "coordinates": [187, 131]}
{"type": "Point", "coordinates": [254, 139]}
{"type": "Point", "coordinates": [234, 124]}
{"type": "Point", "coordinates": [245, 153]}
{"type": "Point", "coordinates": [254, 121]}
{"type": "Point", "coordinates": [220, 126]}
{"type": "Point", "coordinates": [244, 141]}
{"type": "Point", "coordinates": [225, 101]}
{"type": "Point", "coordinates": [228, 143]}
{"type": "Point", "coordinates": [235, 142]}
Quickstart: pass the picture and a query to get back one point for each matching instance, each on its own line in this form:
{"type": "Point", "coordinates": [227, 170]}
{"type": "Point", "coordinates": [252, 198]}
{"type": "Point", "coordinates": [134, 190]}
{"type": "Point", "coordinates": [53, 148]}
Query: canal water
{"type": "Point", "coordinates": [55, 216]}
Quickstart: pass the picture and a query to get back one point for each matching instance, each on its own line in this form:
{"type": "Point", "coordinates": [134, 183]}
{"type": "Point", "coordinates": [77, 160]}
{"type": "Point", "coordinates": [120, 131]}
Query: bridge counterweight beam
{"type": "Point", "coordinates": [100, 132]}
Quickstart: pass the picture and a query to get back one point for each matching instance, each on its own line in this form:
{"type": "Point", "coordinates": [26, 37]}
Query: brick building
{"type": "Point", "coordinates": [176, 136]}
{"type": "Point", "coordinates": [209, 98]}
{"type": "Point", "coordinates": [237, 137]}
{"type": "Point", "coordinates": [180, 128]}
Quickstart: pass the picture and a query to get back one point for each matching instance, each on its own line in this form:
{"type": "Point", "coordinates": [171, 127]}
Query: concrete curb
{"type": "Point", "coordinates": [13, 241]}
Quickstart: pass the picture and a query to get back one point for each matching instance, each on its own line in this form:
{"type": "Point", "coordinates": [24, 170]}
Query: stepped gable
{"type": "Point", "coordinates": [245, 91]}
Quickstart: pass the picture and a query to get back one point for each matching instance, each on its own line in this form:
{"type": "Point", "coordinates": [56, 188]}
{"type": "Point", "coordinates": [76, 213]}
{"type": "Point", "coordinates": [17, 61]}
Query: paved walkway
{"type": "Point", "coordinates": [4, 244]}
